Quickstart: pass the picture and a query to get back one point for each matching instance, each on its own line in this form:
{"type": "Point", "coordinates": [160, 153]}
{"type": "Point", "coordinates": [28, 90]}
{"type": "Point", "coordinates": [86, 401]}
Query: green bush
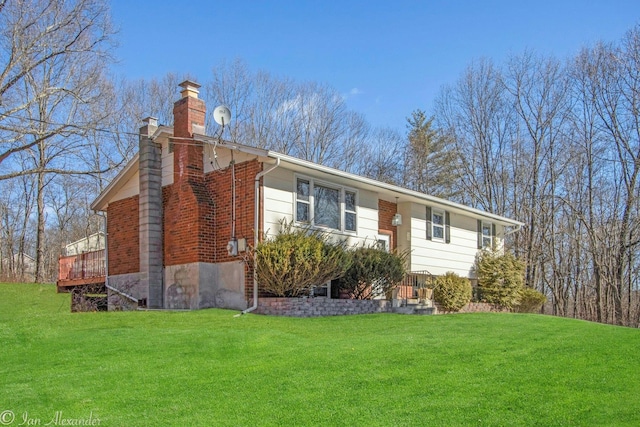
{"type": "Point", "coordinates": [451, 291]}
{"type": "Point", "coordinates": [373, 272]}
{"type": "Point", "coordinates": [500, 278]}
{"type": "Point", "coordinates": [530, 301]}
{"type": "Point", "coordinates": [297, 259]}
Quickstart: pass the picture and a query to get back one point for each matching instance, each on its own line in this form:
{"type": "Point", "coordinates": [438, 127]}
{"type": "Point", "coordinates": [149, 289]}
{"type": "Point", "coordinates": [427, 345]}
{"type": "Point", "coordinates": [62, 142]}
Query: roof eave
{"type": "Point", "coordinates": [395, 189]}
{"type": "Point", "coordinates": [102, 201]}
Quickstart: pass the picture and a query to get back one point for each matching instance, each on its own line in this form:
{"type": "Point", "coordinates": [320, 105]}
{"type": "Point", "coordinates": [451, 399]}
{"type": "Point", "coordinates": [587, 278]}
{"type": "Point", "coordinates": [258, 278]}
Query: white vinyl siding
{"type": "Point", "coordinates": [437, 257]}
{"type": "Point", "coordinates": [280, 203]}
{"type": "Point", "coordinates": [129, 189]}
{"type": "Point", "coordinates": [167, 164]}
{"type": "Point", "coordinates": [432, 255]}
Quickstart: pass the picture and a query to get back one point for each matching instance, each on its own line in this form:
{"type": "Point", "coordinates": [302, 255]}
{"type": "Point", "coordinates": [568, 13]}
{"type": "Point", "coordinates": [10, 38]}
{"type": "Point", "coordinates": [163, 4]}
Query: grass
{"type": "Point", "coordinates": [210, 368]}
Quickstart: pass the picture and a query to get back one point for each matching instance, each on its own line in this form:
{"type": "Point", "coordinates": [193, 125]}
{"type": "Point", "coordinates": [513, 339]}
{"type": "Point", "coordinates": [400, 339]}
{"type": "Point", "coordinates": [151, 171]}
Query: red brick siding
{"type": "Point", "coordinates": [219, 185]}
{"type": "Point", "coordinates": [198, 217]}
{"type": "Point", "coordinates": [186, 204]}
{"type": "Point", "coordinates": [386, 211]}
{"type": "Point", "coordinates": [123, 238]}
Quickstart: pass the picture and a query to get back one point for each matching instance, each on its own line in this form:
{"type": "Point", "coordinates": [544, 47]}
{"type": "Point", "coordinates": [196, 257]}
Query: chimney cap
{"type": "Point", "coordinates": [189, 88]}
{"type": "Point", "coordinates": [150, 121]}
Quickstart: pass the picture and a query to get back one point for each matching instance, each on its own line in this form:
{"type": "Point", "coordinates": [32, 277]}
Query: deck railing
{"type": "Point", "coordinates": [82, 266]}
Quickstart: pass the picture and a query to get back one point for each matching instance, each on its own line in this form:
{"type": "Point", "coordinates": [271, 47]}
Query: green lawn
{"type": "Point", "coordinates": [210, 368]}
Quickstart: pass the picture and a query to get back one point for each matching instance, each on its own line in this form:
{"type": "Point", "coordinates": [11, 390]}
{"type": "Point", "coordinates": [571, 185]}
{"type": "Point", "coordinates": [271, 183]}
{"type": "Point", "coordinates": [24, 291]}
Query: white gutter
{"type": "Point", "coordinates": [256, 233]}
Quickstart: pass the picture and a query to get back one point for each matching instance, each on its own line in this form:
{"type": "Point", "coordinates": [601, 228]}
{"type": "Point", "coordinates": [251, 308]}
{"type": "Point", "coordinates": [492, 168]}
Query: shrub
{"type": "Point", "coordinates": [297, 259]}
{"type": "Point", "coordinates": [530, 301]}
{"type": "Point", "coordinates": [373, 272]}
{"type": "Point", "coordinates": [451, 291]}
{"type": "Point", "coordinates": [500, 278]}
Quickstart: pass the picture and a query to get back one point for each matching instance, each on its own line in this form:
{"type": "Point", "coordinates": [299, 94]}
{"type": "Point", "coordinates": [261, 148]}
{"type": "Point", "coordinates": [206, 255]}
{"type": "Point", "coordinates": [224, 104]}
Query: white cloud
{"type": "Point", "coordinates": [352, 93]}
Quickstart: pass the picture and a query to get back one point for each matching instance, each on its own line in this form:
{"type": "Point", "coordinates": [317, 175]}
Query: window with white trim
{"type": "Point", "coordinates": [487, 235]}
{"type": "Point", "coordinates": [437, 224]}
{"type": "Point", "coordinates": [325, 205]}
{"type": "Point", "coordinates": [350, 215]}
{"type": "Point", "coordinates": [302, 200]}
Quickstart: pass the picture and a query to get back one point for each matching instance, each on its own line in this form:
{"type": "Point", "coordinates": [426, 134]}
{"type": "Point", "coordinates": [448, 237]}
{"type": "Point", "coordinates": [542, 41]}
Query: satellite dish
{"type": "Point", "coordinates": [222, 115]}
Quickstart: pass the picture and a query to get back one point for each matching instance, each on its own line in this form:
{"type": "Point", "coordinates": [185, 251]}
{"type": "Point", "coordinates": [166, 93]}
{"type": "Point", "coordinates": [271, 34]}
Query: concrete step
{"type": "Point", "coordinates": [425, 310]}
{"type": "Point", "coordinates": [415, 309]}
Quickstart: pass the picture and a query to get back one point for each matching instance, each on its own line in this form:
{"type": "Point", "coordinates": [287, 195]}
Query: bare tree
{"type": "Point", "coordinates": [476, 113]}
{"type": "Point", "coordinates": [384, 158]}
{"type": "Point", "coordinates": [558, 147]}
{"type": "Point", "coordinates": [52, 68]}
{"type": "Point", "coordinates": [306, 120]}
{"type": "Point", "coordinates": [539, 88]}
{"type": "Point", "coordinates": [615, 82]}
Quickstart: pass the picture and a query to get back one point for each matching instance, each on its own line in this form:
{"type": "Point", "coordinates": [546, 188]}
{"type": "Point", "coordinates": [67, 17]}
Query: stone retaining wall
{"type": "Point", "coordinates": [473, 307]}
{"type": "Point", "coordinates": [320, 306]}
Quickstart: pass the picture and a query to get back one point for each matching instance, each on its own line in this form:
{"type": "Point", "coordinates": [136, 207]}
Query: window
{"type": "Point", "coordinates": [350, 211]}
{"type": "Point", "coordinates": [438, 227]}
{"type": "Point", "coordinates": [302, 200]}
{"type": "Point", "coordinates": [384, 242]}
{"type": "Point", "coordinates": [437, 224]}
{"type": "Point", "coordinates": [487, 235]}
{"type": "Point", "coordinates": [326, 205]}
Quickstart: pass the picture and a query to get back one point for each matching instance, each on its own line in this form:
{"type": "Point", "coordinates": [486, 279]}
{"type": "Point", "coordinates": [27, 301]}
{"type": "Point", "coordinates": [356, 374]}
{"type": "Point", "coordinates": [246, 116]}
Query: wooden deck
{"type": "Point", "coordinates": [83, 269]}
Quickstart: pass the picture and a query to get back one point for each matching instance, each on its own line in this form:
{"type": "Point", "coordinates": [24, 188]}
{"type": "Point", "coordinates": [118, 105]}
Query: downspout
{"type": "Point", "coordinates": [106, 249]}
{"type": "Point", "coordinates": [518, 227]}
{"type": "Point", "coordinates": [256, 221]}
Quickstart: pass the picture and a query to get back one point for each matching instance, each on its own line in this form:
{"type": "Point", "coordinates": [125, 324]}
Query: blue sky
{"type": "Point", "coordinates": [387, 58]}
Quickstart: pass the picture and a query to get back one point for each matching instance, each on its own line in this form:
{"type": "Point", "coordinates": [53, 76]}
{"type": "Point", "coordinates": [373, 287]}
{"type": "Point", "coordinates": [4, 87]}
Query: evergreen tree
{"type": "Point", "coordinates": [430, 158]}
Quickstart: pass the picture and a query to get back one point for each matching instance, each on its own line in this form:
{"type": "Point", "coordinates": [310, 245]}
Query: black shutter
{"type": "Point", "coordinates": [493, 235]}
{"type": "Point", "coordinates": [479, 234]}
{"type": "Point", "coordinates": [429, 231]}
{"type": "Point", "coordinates": [447, 228]}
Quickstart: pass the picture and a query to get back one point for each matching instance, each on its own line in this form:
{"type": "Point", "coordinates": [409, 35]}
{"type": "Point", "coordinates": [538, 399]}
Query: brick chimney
{"type": "Point", "coordinates": [188, 115]}
{"type": "Point", "coordinates": [187, 201]}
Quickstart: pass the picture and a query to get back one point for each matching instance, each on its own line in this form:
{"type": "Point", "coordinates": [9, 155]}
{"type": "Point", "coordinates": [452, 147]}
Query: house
{"type": "Point", "coordinates": [182, 213]}
{"type": "Point", "coordinates": [93, 242]}
{"type": "Point", "coordinates": [20, 266]}
{"type": "Point", "coordinates": [83, 265]}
